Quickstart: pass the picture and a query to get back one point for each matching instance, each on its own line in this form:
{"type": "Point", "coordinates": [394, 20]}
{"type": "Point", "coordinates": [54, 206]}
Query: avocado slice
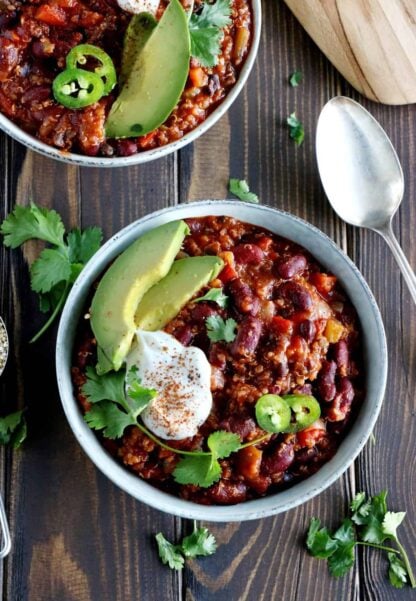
{"type": "Point", "coordinates": [162, 302]}
{"type": "Point", "coordinates": [137, 33]}
{"type": "Point", "coordinates": [123, 285]}
{"type": "Point", "coordinates": [156, 80]}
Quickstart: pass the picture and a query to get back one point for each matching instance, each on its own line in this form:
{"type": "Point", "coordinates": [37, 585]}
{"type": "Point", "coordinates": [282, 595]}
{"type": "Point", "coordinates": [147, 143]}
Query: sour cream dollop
{"type": "Point", "coordinates": [181, 376]}
{"type": "Point", "coordinates": [139, 6]}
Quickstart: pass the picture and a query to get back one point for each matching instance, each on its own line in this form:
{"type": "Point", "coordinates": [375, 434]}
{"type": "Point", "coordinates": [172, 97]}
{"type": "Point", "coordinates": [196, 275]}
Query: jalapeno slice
{"type": "Point", "coordinates": [76, 88]}
{"type": "Point", "coordinates": [78, 57]}
{"type": "Point", "coordinates": [306, 409]}
{"type": "Point", "coordinates": [273, 413]}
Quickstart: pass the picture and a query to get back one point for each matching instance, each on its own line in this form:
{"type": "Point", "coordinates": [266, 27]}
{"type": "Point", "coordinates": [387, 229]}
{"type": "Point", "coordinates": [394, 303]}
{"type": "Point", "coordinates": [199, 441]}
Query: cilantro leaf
{"type": "Point", "coordinates": [26, 223]}
{"type": "Point", "coordinates": [49, 300]}
{"type": "Point", "coordinates": [13, 429]}
{"type": "Point", "coordinates": [200, 542]}
{"type": "Point", "coordinates": [215, 295]}
{"type": "Point", "coordinates": [319, 542]}
{"type": "Point", "coordinates": [357, 501]}
{"type": "Point", "coordinates": [295, 79]}
{"type": "Point", "coordinates": [296, 129]}
{"type": "Point", "coordinates": [83, 245]}
{"type": "Point", "coordinates": [239, 187]}
{"type": "Point", "coordinates": [168, 553]}
{"type": "Point", "coordinates": [106, 416]}
{"type": "Point", "coordinates": [343, 558]}
{"type": "Point", "coordinates": [397, 571]}
{"type": "Point", "coordinates": [108, 387]}
{"type": "Point", "coordinates": [370, 516]}
{"type": "Point", "coordinates": [391, 522]}
{"type": "Point", "coordinates": [218, 329]}
{"type": "Point", "coordinates": [138, 396]}
{"type": "Point", "coordinates": [201, 470]}
{"type": "Point", "coordinates": [49, 269]}
{"type": "Point", "coordinates": [205, 31]}
{"type": "Point", "coordinates": [222, 443]}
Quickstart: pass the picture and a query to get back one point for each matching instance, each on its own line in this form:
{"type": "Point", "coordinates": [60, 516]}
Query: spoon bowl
{"type": "Point", "coordinates": [361, 172]}
{"type": "Point", "coordinates": [4, 346]}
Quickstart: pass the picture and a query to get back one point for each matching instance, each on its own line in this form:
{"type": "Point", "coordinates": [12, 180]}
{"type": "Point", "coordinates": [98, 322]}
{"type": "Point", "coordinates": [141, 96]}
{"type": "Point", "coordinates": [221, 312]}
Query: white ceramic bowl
{"type": "Point", "coordinates": [375, 358]}
{"type": "Point", "coordinates": [149, 155]}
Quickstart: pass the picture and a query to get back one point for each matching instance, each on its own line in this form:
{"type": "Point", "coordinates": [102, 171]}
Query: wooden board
{"type": "Point", "coordinates": [76, 537]}
{"type": "Point", "coordinates": [371, 42]}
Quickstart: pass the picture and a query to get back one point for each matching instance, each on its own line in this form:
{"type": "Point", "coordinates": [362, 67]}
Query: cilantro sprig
{"type": "Point", "coordinates": [13, 429]}
{"type": "Point", "coordinates": [118, 399]}
{"type": "Point", "coordinates": [215, 295]}
{"type": "Point", "coordinates": [296, 129]}
{"type": "Point", "coordinates": [206, 33]}
{"type": "Point", "coordinates": [296, 78]}
{"type": "Point", "coordinates": [369, 524]}
{"type": "Point", "coordinates": [219, 329]}
{"type": "Point", "coordinates": [57, 267]}
{"type": "Point", "coordinates": [199, 543]}
{"type": "Point", "coordinates": [240, 188]}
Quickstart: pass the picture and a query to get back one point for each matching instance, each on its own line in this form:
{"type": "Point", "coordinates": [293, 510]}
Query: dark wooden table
{"type": "Point", "coordinates": [76, 537]}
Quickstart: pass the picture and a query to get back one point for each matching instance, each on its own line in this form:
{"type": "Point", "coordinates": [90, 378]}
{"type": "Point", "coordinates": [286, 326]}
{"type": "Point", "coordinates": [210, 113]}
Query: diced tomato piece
{"type": "Point", "coordinates": [51, 14]}
{"type": "Point", "coordinates": [145, 141]}
{"type": "Point", "coordinates": [297, 349]}
{"type": "Point", "coordinates": [264, 242]}
{"type": "Point", "coordinates": [227, 274]}
{"type": "Point", "coordinates": [324, 283]}
{"type": "Point", "coordinates": [310, 436]}
{"type": "Point", "coordinates": [281, 325]}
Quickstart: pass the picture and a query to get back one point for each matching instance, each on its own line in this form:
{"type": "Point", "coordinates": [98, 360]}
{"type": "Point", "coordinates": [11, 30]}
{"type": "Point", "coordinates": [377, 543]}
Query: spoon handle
{"type": "Point", "coordinates": [404, 265]}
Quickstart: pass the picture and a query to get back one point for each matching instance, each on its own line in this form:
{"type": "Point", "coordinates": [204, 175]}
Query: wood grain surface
{"type": "Point", "coordinates": [371, 42]}
{"type": "Point", "coordinates": [76, 537]}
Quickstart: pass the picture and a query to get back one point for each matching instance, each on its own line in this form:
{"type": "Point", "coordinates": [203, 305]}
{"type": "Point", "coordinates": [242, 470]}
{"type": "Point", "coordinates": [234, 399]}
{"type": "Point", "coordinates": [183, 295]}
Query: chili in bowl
{"type": "Point", "coordinates": [286, 327]}
{"type": "Point", "coordinates": [118, 82]}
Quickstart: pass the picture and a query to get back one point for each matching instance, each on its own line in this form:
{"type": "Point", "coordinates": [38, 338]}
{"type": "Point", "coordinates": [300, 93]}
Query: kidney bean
{"type": "Point", "coordinates": [282, 368]}
{"type": "Point", "coordinates": [326, 380]}
{"type": "Point", "coordinates": [305, 389]}
{"type": "Point", "coordinates": [341, 404]}
{"type": "Point", "coordinates": [280, 460]}
{"type": "Point", "coordinates": [260, 484]}
{"type": "Point", "coordinates": [242, 425]}
{"type": "Point", "coordinates": [307, 329]}
{"type": "Point", "coordinates": [126, 148]}
{"type": "Point", "coordinates": [247, 339]}
{"type": "Point", "coordinates": [341, 356]}
{"type": "Point", "coordinates": [228, 493]}
{"type": "Point", "coordinates": [248, 254]}
{"type": "Point", "coordinates": [296, 294]}
{"type": "Point", "coordinates": [184, 335]}
{"type": "Point", "coordinates": [290, 267]}
{"type": "Point", "coordinates": [36, 94]}
{"type": "Point", "coordinates": [243, 297]}
{"type": "Point", "coordinates": [217, 356]}
{"type": "Point", "coordinates": [201, 311]}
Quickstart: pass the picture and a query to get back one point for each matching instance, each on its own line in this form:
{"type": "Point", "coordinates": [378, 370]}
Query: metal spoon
{"type": "Point", "coordinates": [361, 173]}
{"type": "Point", "coordinates": [4, 353]}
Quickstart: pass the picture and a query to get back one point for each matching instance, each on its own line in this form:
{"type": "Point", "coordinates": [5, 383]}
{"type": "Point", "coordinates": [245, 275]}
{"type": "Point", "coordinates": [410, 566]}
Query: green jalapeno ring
{"type": "Point", "coordinates": [76, 88]}
{"type": "Point", "coordinates": [306, 409]}
{"type": "Point", "coordinates": [78, 57]}
{"type": "Point", "coordinates": [272, 413]}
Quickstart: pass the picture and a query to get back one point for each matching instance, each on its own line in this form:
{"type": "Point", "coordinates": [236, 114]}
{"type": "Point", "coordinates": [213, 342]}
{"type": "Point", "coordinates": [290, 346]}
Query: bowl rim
{"type": "Point", "coordinates": [17, 133]}
{"type": "Point", "coordinates": [273, 504]}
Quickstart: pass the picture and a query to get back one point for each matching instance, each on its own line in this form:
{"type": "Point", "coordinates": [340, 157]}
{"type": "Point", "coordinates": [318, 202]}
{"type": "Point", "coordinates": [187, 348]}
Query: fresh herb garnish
{"type": "Point", "coordinates": [239, 187]}
{"type": "Point", "coordinates": [296, 129]}
{"type": "Point", "coordinates": [56, 269]}
{"type": "Point", "coordinates": [199, 543]}
{"type": "Point", "coordinates": [370, 524]}
{"type": "Point", "coordinates": [295, 79]}
{"type": "Point", "coordinates": [204, 470]}
{"type": "Point", "coordinates": [215, 295]}
{"type": "Point", "coordinates": [13, 429]}
{"type": "Point", "coordinates": [206, 31]}
{"type": "Point", "coordinates": [220, 329]}
{"type": "Point", "coordinates": [115, 407]}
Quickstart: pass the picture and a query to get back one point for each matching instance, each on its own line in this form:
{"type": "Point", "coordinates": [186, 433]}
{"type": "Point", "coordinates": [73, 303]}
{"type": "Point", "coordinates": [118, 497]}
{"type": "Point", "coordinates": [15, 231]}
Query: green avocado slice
{"type": "Point", "coordinates": [156, 80]}
{"type": "Point", "coordinates": [123, 285]}
{"type": "Point", "coordinates": [137, 33]}
{"type": "Point", "coordinates": [164, 301]}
